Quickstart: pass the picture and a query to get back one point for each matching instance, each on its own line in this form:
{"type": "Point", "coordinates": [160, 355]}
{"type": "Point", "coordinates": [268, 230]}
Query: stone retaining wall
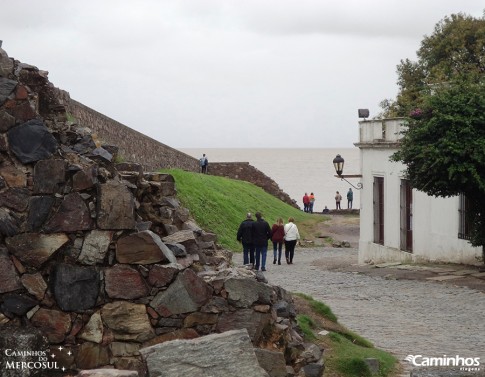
{"type": "Point", "coordinates": [98, 260]}
{"type": "Point", "coordinates": [133, 145]}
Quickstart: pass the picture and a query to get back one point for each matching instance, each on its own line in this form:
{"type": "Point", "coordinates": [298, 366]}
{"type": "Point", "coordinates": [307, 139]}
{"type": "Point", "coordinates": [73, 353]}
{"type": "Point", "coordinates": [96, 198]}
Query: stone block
{"type": "Point", "coordinates": [6, 121]}
{"type": "Point", "coordinates": [13, 176]}
{"type": "Point", "coordinates": [17, 304]}
{"type": "Point", "coordinates": [34, 248]}
{"type": "Point", "coordinates": [244, 292]}
{"type": "Point", "coordinates": [186, 294]}
{"type": "Point", "coordinates": [93, 330]}
{"type": "Point", "coordinates": [85, 179]}
{"type": "Point", "coordinates": [49, 175]}
{"type": "Point", "coordinates": [231, 354]}
{"type": "Point", "coordinates": [198, 318]}
{"type": "Point", "coordinates": [7, 86]}
{"type": "Point", "coordinates": [9, 223]}
{"type": "Point", "coordinates": [91, 355]}
{"type": "Point", "coordinates": [128, 321]}
{"type": "Point", "coordinates": [31, 141]}
{"type": "Point", "coordinates": [248, 319]}
{"type": "Point", "coordinates": [53, 324]}
{"type": "Point", "coordinates": [39, 210]}
{"type": "Point", "coordinates": [95, 247]}
{"type": "Point", "coordinates": [75, 288]}
{"type": "Point", "coordinates": [172, 335]}
{"type": "Point", "coordinates": [273, 362]}
{"type": "Point", "coordinates": [116, 206]}
{"type": "Point", "coordinates": [16, 198]}
{"type": "Point", "coordinates": [35, 284]}
{"type": "Point", "coordinates": [143, 248]}
{"type": "Point", "coordinates": [125, 282]}
{"type": "Point", "coordinates": [73, 215]}
{"type": "Point", "coordinates": [9, 278]}
{"type": "Point", "coordinates": [162, 275]}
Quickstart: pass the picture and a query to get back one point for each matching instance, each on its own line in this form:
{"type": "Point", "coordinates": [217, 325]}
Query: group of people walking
{"type": "Point", "coordinates": [254, 236]}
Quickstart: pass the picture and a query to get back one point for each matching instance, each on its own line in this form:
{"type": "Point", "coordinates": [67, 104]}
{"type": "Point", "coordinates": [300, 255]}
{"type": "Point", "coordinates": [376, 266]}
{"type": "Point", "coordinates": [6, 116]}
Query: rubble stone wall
{"type": "Point", "coordinates": [100, 259]}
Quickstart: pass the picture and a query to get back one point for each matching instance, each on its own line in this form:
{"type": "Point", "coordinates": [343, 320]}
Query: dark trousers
{"type": "Point", "coordinates": [349, 204]}
{"type": "Point", "coordinates": [338, 205]}
{"type": "Point", "coordinates": [277, 247]}
{"type": "Point", "coordinates": [290, 250]}
{"type": "Point", "coordinates": [248, 253]}
{"type": "Point", "coordinates": [261, 251]}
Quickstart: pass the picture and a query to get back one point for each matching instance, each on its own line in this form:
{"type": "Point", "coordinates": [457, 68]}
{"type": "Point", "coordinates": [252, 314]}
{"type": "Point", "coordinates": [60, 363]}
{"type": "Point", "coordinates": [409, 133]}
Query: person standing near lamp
{"type": "Point", "coordinates": [350, 198]}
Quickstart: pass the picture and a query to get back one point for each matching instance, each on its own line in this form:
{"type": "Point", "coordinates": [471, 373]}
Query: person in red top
{"type": "Point", "coordinates": [306, 202]}
{"type": "Point", "coordinates": [277, 236]}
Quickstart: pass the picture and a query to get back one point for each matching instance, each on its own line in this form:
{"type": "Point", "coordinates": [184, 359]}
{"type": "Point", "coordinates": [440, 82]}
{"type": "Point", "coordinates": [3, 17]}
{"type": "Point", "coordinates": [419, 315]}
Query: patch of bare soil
{"type": "Point", "coordinates": [340, 228]}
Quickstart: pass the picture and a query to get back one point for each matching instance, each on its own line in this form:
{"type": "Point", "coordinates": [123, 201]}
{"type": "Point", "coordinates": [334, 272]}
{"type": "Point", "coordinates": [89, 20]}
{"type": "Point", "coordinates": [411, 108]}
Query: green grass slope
{"type": "Point", "coordinates": [220, 204]}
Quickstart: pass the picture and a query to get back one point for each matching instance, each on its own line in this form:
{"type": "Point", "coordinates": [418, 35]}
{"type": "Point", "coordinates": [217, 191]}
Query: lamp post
{"type": "Point", "coordinates": [338, 163]}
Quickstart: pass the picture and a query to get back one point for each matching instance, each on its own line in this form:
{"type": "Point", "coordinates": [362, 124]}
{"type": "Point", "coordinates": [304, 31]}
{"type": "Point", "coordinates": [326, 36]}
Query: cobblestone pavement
{"type": "Point", "coordinates": [404, 317]}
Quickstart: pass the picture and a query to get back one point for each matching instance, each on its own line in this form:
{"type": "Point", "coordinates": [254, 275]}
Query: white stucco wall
{"type": "Point", "coordinates": [435, 220]}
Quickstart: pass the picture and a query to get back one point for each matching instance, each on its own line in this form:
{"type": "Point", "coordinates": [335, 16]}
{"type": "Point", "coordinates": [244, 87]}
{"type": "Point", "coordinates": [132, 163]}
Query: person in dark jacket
{"type": "Point", "coordinates": [350, 198]}
{"type": "Point", "coordinates": [262, 233]}
{"type": "Point", "coordinates": [245, 236]}
{"type": "Point", "coordinates": [277, 236]}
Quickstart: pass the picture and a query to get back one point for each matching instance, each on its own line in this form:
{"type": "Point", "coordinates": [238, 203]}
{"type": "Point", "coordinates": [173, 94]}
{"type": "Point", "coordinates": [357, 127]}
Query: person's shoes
{"type": "Point", "coordinates": [287, 261]}
{"type": "Point", "coordinates": [274, 262]}
{"type": "Point", "coordinates": [263, 269]}
{"type": "Point", "coordinates": [279, 262]}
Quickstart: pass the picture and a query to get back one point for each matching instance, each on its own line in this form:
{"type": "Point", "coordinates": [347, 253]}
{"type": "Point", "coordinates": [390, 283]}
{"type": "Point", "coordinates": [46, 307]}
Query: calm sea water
{"type": "Point", "coordinates": [296, 170]}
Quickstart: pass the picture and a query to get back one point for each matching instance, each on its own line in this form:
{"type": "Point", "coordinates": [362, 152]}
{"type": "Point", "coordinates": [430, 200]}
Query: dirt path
{"type": "Point", "coordinates": [338, 228]}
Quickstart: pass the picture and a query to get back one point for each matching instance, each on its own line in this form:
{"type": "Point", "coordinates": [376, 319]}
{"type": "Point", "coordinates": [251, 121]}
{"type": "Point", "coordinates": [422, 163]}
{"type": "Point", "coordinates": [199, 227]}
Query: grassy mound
{"type": "Point", "coordinates": [345, 351]}
{"type": "Point", "coordinates": [220, 204]}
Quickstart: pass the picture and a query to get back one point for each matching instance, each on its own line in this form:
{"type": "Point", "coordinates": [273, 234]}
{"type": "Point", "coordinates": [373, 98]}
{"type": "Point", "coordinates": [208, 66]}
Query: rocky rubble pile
{"type": "Point", "coordinates": [99, 258]}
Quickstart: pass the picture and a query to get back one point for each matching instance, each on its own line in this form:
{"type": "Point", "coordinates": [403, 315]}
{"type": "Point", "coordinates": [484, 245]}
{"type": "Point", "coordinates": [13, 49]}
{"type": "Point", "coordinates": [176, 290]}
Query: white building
{"type": "Point", "coordinates": [398, 223]}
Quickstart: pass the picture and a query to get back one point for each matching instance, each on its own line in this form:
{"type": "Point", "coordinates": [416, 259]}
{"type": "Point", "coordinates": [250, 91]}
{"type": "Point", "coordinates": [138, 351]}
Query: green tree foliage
{"type": "Point", "coordinates": [455, 49]}
{"type": "Point", "coordinates": [443, 97]}
{"type": "Point", "coordinates": [444, 147]}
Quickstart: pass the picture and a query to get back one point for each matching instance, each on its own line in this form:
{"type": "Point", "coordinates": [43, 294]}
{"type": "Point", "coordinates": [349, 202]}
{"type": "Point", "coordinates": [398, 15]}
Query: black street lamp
{"type": "Point", "coordinates": [338, 163]}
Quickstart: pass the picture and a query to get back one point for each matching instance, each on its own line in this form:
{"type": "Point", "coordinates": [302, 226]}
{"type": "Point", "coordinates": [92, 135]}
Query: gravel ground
{"type": "Point", "coordinates": [404, 317]}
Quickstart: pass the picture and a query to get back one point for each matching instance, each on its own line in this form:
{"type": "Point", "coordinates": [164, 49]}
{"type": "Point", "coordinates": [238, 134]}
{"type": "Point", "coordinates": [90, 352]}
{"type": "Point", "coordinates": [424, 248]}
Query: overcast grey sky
{"type": "Point", "coordinates": [226, 73]}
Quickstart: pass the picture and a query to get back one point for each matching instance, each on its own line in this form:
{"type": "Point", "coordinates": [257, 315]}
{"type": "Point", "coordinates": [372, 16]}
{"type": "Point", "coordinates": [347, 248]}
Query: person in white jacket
{"type": "Point", "coordinates": [291, 237]}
